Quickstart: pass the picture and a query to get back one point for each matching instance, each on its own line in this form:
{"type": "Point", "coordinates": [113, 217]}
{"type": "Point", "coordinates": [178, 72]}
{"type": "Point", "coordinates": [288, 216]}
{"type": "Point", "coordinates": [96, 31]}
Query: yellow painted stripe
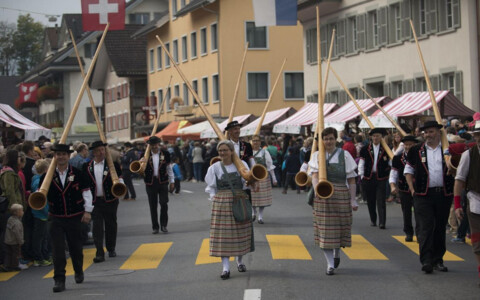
{"type": "Point", "coordinates": [449, 256]}
{"type": "Point", "coordinates": [363, 250]}
{"type": "Point", "coordinates": [4, 276]}
{"type": "Point", "coordinates": [468, 241]}
{"type": "Point", "coordinates": [287, 247]}
{"type": "Point", "coordinates": [204, 257]}
{"type": "Point", "coordinates": [88, 255]}
{"type": "Point", "coordinates": [147, 256]}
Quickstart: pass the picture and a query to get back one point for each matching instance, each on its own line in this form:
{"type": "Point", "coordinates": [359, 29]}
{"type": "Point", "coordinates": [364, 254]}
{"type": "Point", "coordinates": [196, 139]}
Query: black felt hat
{"type": "Point", "coordinates": [232, 124]}
{"type": "Point", "coordinates": [128, 144]}
{"type": "Point", "coordinates": [430, 124]}
{"type": "Point", "coordinates": [382, 131]}
{"type": "Point", "coordinates": [61, 148]}
{"type": "Point", "coordinates": [154, 140]}
{"type": "Point", "coordinates": [409, 138]}
{"type": "Point", "coordinates": [97, 144]}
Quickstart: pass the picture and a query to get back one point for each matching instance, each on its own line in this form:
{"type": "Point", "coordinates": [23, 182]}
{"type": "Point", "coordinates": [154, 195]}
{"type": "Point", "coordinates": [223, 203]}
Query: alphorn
{"type": "Point", "coordinates": [138, 166]}
{"type": "Point", "coordinates": [38, 200]}
{"type": "Point", "coordinates": [364, 115]}
{"type": "Point", "coordinates": [402, 132]}
{"type": "Point", "coordinates": [118, 189]}
{"type": "Point", "coordinates": [436, 111]}
{"type": "Point", "coordinates": [258, 172]}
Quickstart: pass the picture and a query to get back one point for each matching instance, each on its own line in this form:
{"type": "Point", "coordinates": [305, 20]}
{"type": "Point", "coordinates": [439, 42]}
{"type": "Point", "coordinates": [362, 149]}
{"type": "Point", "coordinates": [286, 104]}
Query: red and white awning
{"type": "Point", "coordinates": [270, 117]}
{"type": "Point", "coordinates": [416, 103]}
{"type": "Point", "coordinates": [211, 134]}
{"type": "Point", "coordinates": [32, 130]}
{"type": "Point", "coordinates": [349, 111]}
{"type": "Point", "coordinates": [305, 116]}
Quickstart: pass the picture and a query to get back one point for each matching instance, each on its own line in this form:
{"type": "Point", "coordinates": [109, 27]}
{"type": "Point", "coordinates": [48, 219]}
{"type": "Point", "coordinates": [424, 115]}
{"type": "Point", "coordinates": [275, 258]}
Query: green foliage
{"type": "Point", "coordinates": [27, 43]}
{"type": "Point", "coordinates": [7, 61]}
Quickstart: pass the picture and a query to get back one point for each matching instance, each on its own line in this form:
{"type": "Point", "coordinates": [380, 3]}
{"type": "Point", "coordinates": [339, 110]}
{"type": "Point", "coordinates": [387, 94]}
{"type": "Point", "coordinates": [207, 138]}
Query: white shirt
{"type": "Point", "coordinates": [361, 163]}
{"type": "Point", "coordinates": [98, 169]}
{"type": "Point", "coordinates": [63, 176]}
{"type": "Point", "coordinates": [86, 194]}
{"type": "Point", "coordinates": [155, 161]}
{"type": "Point", "coordinates": [350, 164]}
{"type": "Point", "coordinates": [215, 171]}
{"type": "Point", "coordinates": [435, 166]}
{"type": "Point", "coordinates": [462, 174]}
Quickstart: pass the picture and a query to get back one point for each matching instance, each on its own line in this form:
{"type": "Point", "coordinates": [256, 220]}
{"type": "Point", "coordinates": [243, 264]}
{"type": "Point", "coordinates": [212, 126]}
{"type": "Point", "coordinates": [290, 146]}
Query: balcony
{"type": "Point", "coordinates": [138, 101]}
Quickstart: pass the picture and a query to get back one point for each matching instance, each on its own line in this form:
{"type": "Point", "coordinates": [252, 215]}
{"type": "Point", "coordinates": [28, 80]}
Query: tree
{"type": "Point", "coordinates": [27, 43]}
{"type": "Point", "coordinates": [7, 61]}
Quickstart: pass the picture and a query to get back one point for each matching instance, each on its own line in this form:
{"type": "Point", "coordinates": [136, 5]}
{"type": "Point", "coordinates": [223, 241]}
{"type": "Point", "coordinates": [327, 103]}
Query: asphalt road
{"type": "Point", "coordinates": [285, 264]}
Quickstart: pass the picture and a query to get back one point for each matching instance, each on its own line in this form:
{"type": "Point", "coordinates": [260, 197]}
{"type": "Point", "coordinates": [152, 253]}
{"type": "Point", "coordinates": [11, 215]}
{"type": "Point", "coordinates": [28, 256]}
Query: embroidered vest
{"type": "Point", "coordinates": [162, 169]}
{"type": "Point", "coordinates": [398, 163]}
{"type": "Point", "coordinates": [383, 169]}
{"type": "Point", "coordinates": [336, 172]}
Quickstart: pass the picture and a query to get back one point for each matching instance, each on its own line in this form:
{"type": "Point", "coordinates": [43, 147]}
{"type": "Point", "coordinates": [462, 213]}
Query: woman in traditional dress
{"type": "Point", "coordinates": [227, 236]}
{"type": "Point", "coordinates": [263, 197]}
{"type": "Point", "coordinates": [332, 217]}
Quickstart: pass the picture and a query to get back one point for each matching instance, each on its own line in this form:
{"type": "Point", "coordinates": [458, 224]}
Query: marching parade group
{"type": "Point", "coordinates": [421, 174]}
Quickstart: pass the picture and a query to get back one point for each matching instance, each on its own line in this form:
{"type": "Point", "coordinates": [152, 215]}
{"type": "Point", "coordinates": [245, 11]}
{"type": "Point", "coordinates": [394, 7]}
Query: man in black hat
{"type": "Point", "coordinates": [398, 184]}
{"type": "Point", "coordinates": [374, 170]}
{"type": "Point", "coordinates": [158, 179]}
{"type": "Point", "coordinates": [243, 149]}
{"type": "Point", "coordinates": [104, 214]}
{"type": "Point", "coordinates": [127, 159]}
{"type": "Point", "coordinates": [70, 204]}
{"type": "Point", "coordinates": [432, 189]}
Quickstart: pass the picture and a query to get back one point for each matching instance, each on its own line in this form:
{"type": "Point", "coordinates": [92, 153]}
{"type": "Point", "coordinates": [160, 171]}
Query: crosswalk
{"type": "Point", "coordinates": [282, 247]}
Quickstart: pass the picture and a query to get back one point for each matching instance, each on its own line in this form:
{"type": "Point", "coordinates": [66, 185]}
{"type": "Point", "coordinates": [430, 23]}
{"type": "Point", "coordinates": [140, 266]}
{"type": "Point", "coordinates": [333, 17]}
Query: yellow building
{"type": "Point", "coordinates": [207, 38]}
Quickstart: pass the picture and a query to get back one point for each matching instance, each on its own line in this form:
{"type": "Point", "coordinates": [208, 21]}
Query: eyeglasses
{"type": "Point", "coordinates": [255, 140]}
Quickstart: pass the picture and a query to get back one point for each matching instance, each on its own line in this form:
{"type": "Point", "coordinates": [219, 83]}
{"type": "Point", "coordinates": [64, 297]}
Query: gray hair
{"type": "Point", "coordinates": [228, 143]}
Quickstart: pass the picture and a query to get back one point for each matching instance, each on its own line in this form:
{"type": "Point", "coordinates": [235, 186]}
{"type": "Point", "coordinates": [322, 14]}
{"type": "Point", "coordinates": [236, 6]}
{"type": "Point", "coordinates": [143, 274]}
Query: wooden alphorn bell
{"type": "Point", "coordinates": [364, 115]}
{"type": "Point", "coordinates": [258, 172]}
{"type": "Point", "coordinates": [38, 200]}
{"type": "Point", "coordinates": [118, 189]}
{"type": "Point", "coordinates": [138, 166]}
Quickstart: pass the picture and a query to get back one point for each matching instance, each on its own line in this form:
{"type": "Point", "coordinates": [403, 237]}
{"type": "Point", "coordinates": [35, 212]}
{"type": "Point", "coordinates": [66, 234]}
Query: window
{"type": "Point", "coordinates": [203, 41]}
{"type": "Point", "coordinates": [311, 45]}
{"type": "Point", "coordinates": [420, 84]}
{"type": "Point", "coordinates": [205, 89]}
{"type": "Point", "coordinates": [151, 59]}
{"type": "Point", "coordinates": [394, 24]}
{"type": "Point", "coordinates": [176, 90]}
{"type": "Point", "coordinates": [257, 85]}
{"type": "Point", "coordinates": [195, 88]}
{"type": "Point", "coordinates": [175, 51]}
{"type": "Point", "coordinates": [449, 4]}
{"type": "Point", "coordinates": [397, 89]}
{"type": "Point", "coordinates": [448, 14]}
{"type": "Point", "coordinates": [120, 121]}
{"type": "Point", "coordinates": [90, 50]}
{"type": "Point", "coordinates": [294, 85]}
{"type": "Point", "coordinates": [372, 30]}
{"type": "Point", "coordinates": [167, 59]}
{"type": "Point", "coordinates": [139, 18]}
{"type": "Point", "coordinates": [423, 17]}
{"type": "Point", "coordinates": [90, 118]}
{"type": "Point", "coordinates": [160, 100]}
{"type": "Point", "coordinates": [256, 36]}
{"type": "Point", "coordinates": [125, 119]}
{"type": "Point", "coordinates": [213, 37]}
{"type": "Point", "coordinates": [193, 44]}
{"type": "Point", "coordinates": [215, 89]}
{"type": "Point", "coordinates": [114, 122]}
{"type": "Point", "coordinates": [159, 58]}
{"type": "Point", "coordinates": [453, 82]}
{"type": "Point", "coordinates": [174, 8]}
{"type": "Point", "coordinates": [352, 44]}
{"type": "Point", "coordinates": [354, 92]}
{"type": "Point", "coordinates": [182, 3]}
{"type": "Point", "coordinates": [167, 98]}
{"type": "Point", "coordinates": [184, 48]}
{"type": "Point", "coordinates": [185, 94]}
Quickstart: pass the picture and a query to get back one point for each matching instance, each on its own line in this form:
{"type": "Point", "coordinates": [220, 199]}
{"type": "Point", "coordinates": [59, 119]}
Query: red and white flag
{"type": "Point", "coordinates": [28, 92]}
{"type": "Point", "coordinates": [97, 13]}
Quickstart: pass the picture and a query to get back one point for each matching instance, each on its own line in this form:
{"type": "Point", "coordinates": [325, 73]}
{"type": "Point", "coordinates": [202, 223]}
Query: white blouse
{"type": "Point", "coordinates": [350, 164]}
{"type": "Point", "coordinates": [215, 171]}
{"type": "Point", "coordinates": [268, 158]}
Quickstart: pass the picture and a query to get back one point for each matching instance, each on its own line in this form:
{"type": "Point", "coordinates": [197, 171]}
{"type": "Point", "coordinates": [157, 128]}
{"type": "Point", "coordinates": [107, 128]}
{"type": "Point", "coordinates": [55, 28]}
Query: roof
{"type": "Point", "coordinates": [211, 133]}
{"type": "Point", "coordinates": [157, 22]}
{"type": "Point", "coordinates": [52, 35]}
{"type": "Point", "coordinates": [126, 54]}
{"type": "Point", "coordinates": [415, 103]}
{"type": "Point", "coordinates": [349, 110]}
{"type": "Point", "coordinates": [9, 89]}
{"type": "Point", "coordinates": [74, 23]}
{"type": "Point", "coordinates": [270, 117]}
{"type": "Point", "coordinates": [193, 5]}
{"type": "Point", "coordinates": [307, 115]}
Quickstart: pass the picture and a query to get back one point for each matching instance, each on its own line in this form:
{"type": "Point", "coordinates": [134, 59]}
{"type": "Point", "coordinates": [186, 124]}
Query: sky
{"type": "Point", "coordinates": [37, 9]}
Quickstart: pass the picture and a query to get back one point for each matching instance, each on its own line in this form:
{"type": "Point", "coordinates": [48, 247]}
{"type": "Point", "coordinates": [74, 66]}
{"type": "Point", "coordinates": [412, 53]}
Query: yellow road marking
{"type": "Point", "coordinates": [88, 255]}
{"type": "Point", "coordinates": [204, 257]}
{"type": "Point", "coordinates": [147, 256]}
{"type": "Point", "coordinates": [449, 256]}
{"type": "Point", "coordinates": [4, 276]}
{"type": "Point", "coordinates": [363, 250]}
{"type": "Point", "coordinates": [287, 247]}
{"type": "Point", "coordinates": [468, 241]}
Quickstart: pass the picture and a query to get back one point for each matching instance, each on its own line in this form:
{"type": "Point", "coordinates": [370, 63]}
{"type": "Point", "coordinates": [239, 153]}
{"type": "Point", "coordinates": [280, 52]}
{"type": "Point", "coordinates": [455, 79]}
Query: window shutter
{"type": "Point", "coordinates": [361, 32]}
{"type": "Point", "coordinates": [391, 25]}
{"type": "Point", "coordinates": [407, 86]}
{"type": "Point", "coordinates": [349, 36]}
{"type": "Point", "coordinates": [308, 45]}
{"type": "Point", "coordinates": [456, 13]}
{"type": "Point", "coordinates": [382, 26]}
{"type": "Point", "coordinates": [342, 97]}
{"type": "Point", "coordinates": [386, 89]}
{"type": "Point", "coordinates": [312, 45]}
{"type": "Point", "coordinates": [442, 15]}
{"type": "Point", "coordinates": [459, 85]}
{"type": "Point", "coordinates": [406, 13]}
{"type": "Point", "coordinates": [369, 30]}
{"type": "Point", "coordinates": [415, 16]}
{"type": "Point", "coordinates": [435, 81]}
{"type": "Point", "coordinates": [431, 16]}
{"type": "Point", "coordinates": [418, 85]}
{"type": "Point", "coordinates": [323, 41]}
{"type": "Point", "coordinates": [341, 37]}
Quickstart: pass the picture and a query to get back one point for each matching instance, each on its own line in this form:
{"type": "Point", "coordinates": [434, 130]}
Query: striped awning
{"type": "Point", "coordinates": [211, 134]}
{"type": "Point", "coordinates": [349, 111]}
{"type": "Point", "coordinates": [305, 116]}
{"type": "Point", "coordinates": [415, 103]}
{"type": "Point", "coordinates": [270, 117]}
{"type": "Point", "coordinates": [32, 130]}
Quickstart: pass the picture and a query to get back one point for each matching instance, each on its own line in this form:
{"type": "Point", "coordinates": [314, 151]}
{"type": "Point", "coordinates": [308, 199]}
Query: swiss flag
{"type": "Point", "coordinates": [97, 13]}
{"type": "Point", "coordinates": [28, 92]}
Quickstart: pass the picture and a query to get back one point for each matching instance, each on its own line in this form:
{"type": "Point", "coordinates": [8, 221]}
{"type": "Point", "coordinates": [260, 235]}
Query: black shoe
{"type": "Point", "coordinates": [164, 229]}
{"type": "Point", "coordinates": [79, 277]}
{"type": "Point", "coordinates": [59, 286]}
{"type": "Point", "coordinates": [155, 231]}
{"type": "Point", "coordinates": [373, 224]}
{"type": "Point", "coordinates": [112, 254]}
{"type": "Point", "coordinates": [242, 268]}
{"type": "Point", "coordinates": [427, 268]}
{"type": "Point", "coordinates": [254, 217]}
{"type": "Point", "coordinates": [225, 275]}
{"type": "Point", "coordinates": [98, 259]}
{"type": "Point", "coordinates": [336, 262]}
{"type": "Point", "coordinates": [260, 221]}
{"type": "Point", "coordinates": [330, 271]}
{"type": "Point", "coordinates": [381, 226]}
{"type": "Point", "coordinates": [440, 267]}
{"type": "Point", "coordinates": [409, 238]}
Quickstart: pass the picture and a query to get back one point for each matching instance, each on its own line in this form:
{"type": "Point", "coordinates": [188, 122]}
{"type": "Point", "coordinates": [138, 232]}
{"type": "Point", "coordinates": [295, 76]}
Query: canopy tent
{"type": "Point", "coordinates": [305, 116]}
{"type": "Point", "coordinates": [270, 117]}
{"type": "Point", "coordinates": [196, 128]}
{"type": "Point", "coordinates": [415, 103]}
{"type": "Point", "coordinates": [211, 134]}
{"type": "Point", "coordinates": [13, 118]}
{"type": "Point", "coordinates": [378, 121]}
{"type": "Point", "coordinates": [170, 134]}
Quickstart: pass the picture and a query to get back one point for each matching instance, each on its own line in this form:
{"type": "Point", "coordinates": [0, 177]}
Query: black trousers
{"type": "Point", "coordinates": [376, 196]}
{"type": "Point", "coordinates": [177, 186]}
{"type": "Point", "coordinates": [104, 217]}
{"type": "Point", "coordinates": [158, 193]}
{"type": "Point", "coordinates": [27, 221]}
{"type": "Point", "coordinates": [432, 213]}
{"type": "Point", "coordinates": [406, 199]}
{"type": "Point", "coordinates": [70, 229]}
{"type": "Point", "coordinates": [39, 239]}
{"type": "Point", "coordinates": [127, 179]}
